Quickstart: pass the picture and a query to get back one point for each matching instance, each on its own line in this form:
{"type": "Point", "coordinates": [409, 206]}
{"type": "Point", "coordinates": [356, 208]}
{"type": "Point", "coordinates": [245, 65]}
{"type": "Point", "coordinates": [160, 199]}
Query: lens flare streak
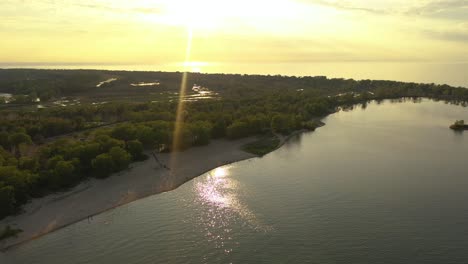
{"type": "Point", "coordinates": [178, 126]}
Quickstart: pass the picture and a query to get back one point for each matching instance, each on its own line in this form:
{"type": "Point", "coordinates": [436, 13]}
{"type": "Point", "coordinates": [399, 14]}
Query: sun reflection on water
{"type": "Point", "coordinates": [223, 211]}
{"type": "Point", "coordinates": [216, 190]}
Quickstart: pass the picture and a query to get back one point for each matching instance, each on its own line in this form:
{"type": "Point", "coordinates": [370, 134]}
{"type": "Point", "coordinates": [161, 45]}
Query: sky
{"type": "Point", "coordinates": [240, 31]}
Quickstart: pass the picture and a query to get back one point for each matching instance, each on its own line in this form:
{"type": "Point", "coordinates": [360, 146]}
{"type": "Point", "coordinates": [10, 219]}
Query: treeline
{"type": "Point", "coordinates": [46, 123]}
{"type": "Point", "coordinates": [48, 84]}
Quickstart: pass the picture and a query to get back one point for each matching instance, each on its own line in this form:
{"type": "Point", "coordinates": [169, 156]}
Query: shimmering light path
{"type": "Point", "coordinates": [180, 114]}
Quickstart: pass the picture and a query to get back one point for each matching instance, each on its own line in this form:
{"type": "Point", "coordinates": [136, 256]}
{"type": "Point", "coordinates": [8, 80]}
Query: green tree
{"type": "Point", "coordinates": [219, 128]}
{"type": "Point", "coordinates": [7, 200]}
{"type": "Point", "coordinates": [238, 129]}
{"type": "Point", "coordinates": [120, 157]}
{"type": "Point", "coordinates": [4, 140]}
{"type": "Point", "coordinates": [283, 123]}
{"type": "Point", "coordinates": [103, 165]}
{"type": "Point", "coordinates": [52, 162]}
{"type": "Point", "coordinates": [64, 173]}
{"type": "Point", "coordinates": [201, 131]}
{"type": "Point", "coordinates": [107, 143]}
{"type": "Point", "coordinates": [24, 183]}
{"type": "Point", "coordinates": [28, 163]}
{"type": "Point", "coordinates": [135, 148]}
{"type": "Point", "coordinates": [10, 161]}
{"type": "Point", "coordinates": [146, 136]}
{"type": "Point", "coordinates": [124, 132]}
{"type": "Point", "coordinates": [85, 154]}
{"type": "Point", "coordinates": [17, 139]}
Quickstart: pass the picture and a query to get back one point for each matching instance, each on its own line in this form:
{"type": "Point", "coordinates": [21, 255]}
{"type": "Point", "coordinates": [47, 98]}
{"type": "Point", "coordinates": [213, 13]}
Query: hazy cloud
{"type": "Point", "coordinates": [111, 8]}
{"type": "Point", "coordinates": [457, 34]}
{"type": "Point", "coordinates": [438, 7]}
{"type": "Point", "coordinates": [346, 5]}
{"type": "Point", "coordinates": [103, 5]}
{"type": "Point", "coordinates": [449, 9]}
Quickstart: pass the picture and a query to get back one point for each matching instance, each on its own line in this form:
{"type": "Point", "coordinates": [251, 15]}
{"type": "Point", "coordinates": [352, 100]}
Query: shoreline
{"type": "Point", "coordinates": [142, 179]}
{"type": "Point", "coordinates": [50, 213]}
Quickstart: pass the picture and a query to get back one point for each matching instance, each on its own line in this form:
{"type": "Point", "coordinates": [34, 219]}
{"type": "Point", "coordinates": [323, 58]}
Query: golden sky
{"type": "Point", "coordinates": [240, 31]}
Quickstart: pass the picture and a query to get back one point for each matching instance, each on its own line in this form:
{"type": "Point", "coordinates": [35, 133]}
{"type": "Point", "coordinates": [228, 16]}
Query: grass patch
{"type": "Point", "coordinates": [9, 232]}
{"type": "Point", "coordinates": [262, 146]}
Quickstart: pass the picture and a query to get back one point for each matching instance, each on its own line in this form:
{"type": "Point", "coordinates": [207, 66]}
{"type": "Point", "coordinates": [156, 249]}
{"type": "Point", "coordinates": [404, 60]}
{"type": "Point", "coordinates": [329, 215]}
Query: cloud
{"type": "Point", "coordinates": [45, 6]}
{"type": "Point", "coordinates": [447, 9]}
{"type": "Point", "coordinates": [113, 8]}
{"type": "Point", "coordinates": [449, 35]}
{"type": "Point", "coordinates": [455, 33]}
{"type": "Point", "coordinates": [434, 7]}
{"type": "Point", "coordinates": [345, 5]}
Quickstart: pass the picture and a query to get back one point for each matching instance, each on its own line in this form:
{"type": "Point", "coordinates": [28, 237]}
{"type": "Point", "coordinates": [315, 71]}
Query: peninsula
{"type": "Point", "coordinates": [73, 144]}
{"type": "Point", "coordinates": [459, 125]}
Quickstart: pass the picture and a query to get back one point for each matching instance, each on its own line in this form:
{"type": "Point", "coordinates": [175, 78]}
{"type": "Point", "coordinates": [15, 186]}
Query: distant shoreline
{"type": "Point", "coordinates": [160, 68]}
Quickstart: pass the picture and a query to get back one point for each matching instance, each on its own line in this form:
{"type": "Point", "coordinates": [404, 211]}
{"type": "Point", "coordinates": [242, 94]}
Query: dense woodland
{"type": "Point", "coordinates": [47, 150]}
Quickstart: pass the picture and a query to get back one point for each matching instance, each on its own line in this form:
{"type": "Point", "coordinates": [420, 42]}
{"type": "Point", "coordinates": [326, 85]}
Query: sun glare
{"type": "Point", "coordinates": [180, 107]}
{"type": "Point", "coordinates": [220, 172]}
{"type": "Point", "coordinates": [193, 66]}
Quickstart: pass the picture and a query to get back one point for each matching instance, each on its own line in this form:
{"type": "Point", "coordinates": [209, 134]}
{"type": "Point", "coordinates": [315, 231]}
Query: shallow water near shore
{"type": "Point", "coordinates": [385, 183]}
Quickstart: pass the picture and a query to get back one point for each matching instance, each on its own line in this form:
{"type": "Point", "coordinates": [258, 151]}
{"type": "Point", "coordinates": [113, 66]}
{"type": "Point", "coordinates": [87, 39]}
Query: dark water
{"type": "Point", "coordinates": [387, 184]}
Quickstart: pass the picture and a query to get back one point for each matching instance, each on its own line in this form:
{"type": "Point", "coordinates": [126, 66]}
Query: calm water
{"type": "Point", "coordinates": [386, 184]}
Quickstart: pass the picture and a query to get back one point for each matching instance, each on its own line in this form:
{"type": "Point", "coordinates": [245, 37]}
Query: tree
{"type": "Point", "coordinates": [22, 181]}
{"type": "Point", "coordinates": [201, 131]}
{"type": "Point", "coordinates": [64, 168]}
{"type": "Point", "coordinates": [103, 165]}
{"type": "Point", "coordinates": [124, 132]}
{"type": "Point", "coordinates": [283, 123]}
{"type": "Point", "coordinates": [52, 162]}
{"type": "Point", "coordinates": [135, 148]}
{"type": "Point", "coordinates": [219, 128]}
{"type": "Point", "coordinates": [107, 143]}
{"type": "Point", "coordinates": [10, 161]}
{"type": "Point", "coordinates": [7, 200]}
{"type": "Point", "coordinates": [120, 157]}
{"type": "Point", "coordinates": [17, 139]}
{"type": "Point", "coordinates": [64, 172]}
{"type": "Point", "coordinates": [79, 122]}
{"type": "Point", "coordinates": [238, 129]}
{"type": "Point", "coordinates": [27, 163]}
{"type": "Point", "coordinates": [4, 140]}
{"type": "Point", "coordinates": [146, 136]}
{"type": "Point", "coordinates": [86, 153]}
{"type": "Point", "coordinates": [53, 126]}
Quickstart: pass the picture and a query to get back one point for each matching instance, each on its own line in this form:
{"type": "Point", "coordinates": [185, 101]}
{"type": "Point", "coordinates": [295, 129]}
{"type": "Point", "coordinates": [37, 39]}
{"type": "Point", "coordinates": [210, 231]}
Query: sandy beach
{"type": "Point", "coordinates": [142, 179]}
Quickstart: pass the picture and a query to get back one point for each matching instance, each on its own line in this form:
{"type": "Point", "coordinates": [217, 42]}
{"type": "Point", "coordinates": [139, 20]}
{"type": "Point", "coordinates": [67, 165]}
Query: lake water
{"type": "Point", "coordinates": [385, 184]}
